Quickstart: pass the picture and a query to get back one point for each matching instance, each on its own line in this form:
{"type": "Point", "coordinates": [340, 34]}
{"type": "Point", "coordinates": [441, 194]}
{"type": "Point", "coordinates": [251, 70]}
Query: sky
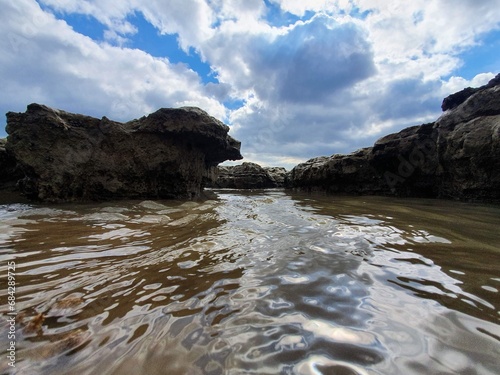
{"type": "Point", "coordinates": [293, 79]}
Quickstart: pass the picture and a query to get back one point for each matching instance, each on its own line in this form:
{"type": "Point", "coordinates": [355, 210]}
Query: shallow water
{"type": "Point", "coordinates": [254, 283]}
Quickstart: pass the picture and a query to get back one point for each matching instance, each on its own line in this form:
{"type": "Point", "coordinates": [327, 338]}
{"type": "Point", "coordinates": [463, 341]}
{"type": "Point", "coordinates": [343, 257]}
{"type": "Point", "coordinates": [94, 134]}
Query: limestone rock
{"type": "Point", "coordinates": [277, 174]}
{"type": "Point", "coordinates": [456, 157]}
{"type": "Point", "coordinates": [249, 176]}
{"type": "Point", "coordinates": [468, 145]}
{"type": "Point", "coordinates": [66, 157]}
{"type": "Point", "coordinates": [454, 100]}
{"type": "Point", "coordinates": [348, 174]}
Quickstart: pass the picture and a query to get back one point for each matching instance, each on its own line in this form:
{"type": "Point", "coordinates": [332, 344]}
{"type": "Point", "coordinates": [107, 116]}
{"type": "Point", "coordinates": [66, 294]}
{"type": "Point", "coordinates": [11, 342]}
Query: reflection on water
{"type": "Point", "coordinates": [254, 283]}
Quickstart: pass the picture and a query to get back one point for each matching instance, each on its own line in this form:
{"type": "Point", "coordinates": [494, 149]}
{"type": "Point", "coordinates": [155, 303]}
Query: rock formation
{"type": "Point", "coordinates": [454, 100]}
{"type": "Point", "coordinates": [277, 174]}
{"type": "Point", "coordinates": [456, 157]}
{"type": "Point", "coordinates": [249, 176]}
{"type": "Point", "coordinates": [70, 157]}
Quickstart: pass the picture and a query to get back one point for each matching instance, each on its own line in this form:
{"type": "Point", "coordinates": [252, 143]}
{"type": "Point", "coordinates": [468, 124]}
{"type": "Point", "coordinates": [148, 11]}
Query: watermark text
{"type": "Point", "coordinates": [11, 320]}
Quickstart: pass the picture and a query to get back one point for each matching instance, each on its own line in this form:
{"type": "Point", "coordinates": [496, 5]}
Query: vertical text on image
{"type": "Point", "coordinates": [11, 300]}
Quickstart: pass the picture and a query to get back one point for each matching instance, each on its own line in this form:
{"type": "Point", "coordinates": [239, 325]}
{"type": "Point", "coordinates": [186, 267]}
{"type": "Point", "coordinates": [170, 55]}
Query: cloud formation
{"type": "Point", "coordinates": [45, 60]}
{"type": "Point", "coordinates": [313, 61]}
{"type": "Point", "coordinates": [294, 79]}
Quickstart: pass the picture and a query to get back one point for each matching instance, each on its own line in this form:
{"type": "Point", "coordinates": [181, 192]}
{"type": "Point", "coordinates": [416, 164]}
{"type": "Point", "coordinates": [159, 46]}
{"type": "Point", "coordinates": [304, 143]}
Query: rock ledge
{"type": "Point", "coordinates": [456, 157]}
{"type": "Point", "coordinates": [63, 156]}
{"type": "Point", "coordinates": [249, 176]}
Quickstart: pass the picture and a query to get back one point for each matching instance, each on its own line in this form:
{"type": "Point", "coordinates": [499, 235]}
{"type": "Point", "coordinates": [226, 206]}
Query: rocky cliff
{"type": "Point", "coordinates": [456, 157]}
{"type": "Point", "coordinates": [249, 176]}
{"type": "Point", "coordinates": [70, 157]}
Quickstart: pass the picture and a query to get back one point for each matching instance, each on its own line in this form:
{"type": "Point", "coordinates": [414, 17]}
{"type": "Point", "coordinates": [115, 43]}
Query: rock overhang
{"type": "Point", "coordinates": [167, 154]}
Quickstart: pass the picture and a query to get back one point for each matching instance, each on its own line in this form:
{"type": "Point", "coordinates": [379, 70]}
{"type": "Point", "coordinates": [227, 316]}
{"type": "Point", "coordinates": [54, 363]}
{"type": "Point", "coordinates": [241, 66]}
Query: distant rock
{"type": "Point", "coordinates": [277, 174]}
{"type": "Point", "coordinates": [63, 156]}
{"type": "Point", "coordinates": [456, 157]}
{"type": "Point", "coordinates": [249, 176]}
{"type": "Point", "coordinates": [348, 174]}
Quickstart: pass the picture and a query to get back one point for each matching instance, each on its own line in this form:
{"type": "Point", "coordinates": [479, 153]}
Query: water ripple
{"type": "Point", "coordinates": [255, 283]}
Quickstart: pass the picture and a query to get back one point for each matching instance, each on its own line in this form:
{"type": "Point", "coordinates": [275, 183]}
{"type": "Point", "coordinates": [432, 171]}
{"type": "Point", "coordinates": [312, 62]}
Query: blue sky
{"type": "Point", "coordinates": [294, 79]}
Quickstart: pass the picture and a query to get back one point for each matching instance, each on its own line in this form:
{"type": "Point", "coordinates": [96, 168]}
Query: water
{"type": "Point", "coordinates": [254, 283]}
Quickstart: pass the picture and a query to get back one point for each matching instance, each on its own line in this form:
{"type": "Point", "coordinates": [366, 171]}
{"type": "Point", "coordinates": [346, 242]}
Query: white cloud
{"type": "Point", "coordinates": [310, 61]}
{"type": "Point", "coordinates": [190, 19]}
{"type": "Point", "coordinates": [111, 13]}
{"type": "Point", "coordinates": [300, 7]}
{"type": "Point", "coordinates": [334, 82]}
{"type": "Point", "coordinates": [413, 46]}
{"type": "Point", "coordinates": [45, 61]}
{"type": "Point", "coordinates": [238, 9]}
{"type": "Point", "coordinates": [455, 84]}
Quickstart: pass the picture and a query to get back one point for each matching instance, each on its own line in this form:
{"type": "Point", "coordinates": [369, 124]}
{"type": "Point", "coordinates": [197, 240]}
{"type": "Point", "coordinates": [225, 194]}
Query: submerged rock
{"type": "Point", "coordinates": [67, 306]}
{"type": "Point", "coordinates": [456, 157]}
{"type": "Point", "coordinates": [66, 157]}
{"type": "Point", "coordinates": [249, 176]}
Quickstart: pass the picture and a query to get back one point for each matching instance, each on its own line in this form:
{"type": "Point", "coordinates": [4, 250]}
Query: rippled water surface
{"type": "Point", "coordinates": [254, 283]}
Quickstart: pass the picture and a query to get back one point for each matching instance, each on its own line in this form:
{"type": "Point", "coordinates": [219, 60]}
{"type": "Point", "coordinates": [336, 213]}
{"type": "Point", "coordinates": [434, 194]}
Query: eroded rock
{"type": "Point", "coordinates": [66, 157]}
{"type": "Point", "coordinates": [456, 157]}
{"type": "Point", "coordinates": [249, 176]}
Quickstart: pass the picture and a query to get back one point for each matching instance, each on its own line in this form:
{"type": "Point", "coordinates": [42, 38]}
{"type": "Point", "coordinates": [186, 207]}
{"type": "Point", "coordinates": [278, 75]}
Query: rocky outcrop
{"type": "Point", "coordinates": [454, 100]}
{"type": "Point", "coordinates": [249, 176]}
{"type": "Point", "coordinates": [456, 157]}
{"type": "Point", "coordinates": [277, 174]}
{"type": "Point", "coordinates": [350, 174]}
{"type": "Point", "coordinates": [70, 157]}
